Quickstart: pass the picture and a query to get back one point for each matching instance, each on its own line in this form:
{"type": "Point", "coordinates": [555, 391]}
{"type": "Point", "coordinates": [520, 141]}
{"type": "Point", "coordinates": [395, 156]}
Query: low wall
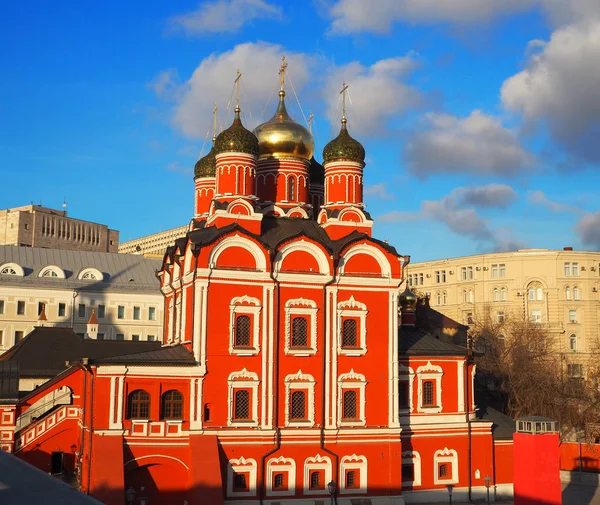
{"type": "Point", "coordinates": [575, 456]}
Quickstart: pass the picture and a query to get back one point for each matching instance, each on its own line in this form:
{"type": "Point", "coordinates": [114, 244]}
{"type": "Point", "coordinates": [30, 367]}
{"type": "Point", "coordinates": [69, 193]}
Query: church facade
{"type": "Point", "coordinates": [292, 368]}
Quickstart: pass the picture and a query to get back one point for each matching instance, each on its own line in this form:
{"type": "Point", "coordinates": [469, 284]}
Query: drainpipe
{"type": "Point", "coordinates": [75, 295]}
{"type": "Point", "coordinates": [468, 409]}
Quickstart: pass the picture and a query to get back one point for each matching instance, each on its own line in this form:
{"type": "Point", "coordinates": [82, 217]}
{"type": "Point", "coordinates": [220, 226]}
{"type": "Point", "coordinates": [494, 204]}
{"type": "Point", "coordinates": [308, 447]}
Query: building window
{"type": "Point", "coordinates": [172, 405]}
{"type": "Point", "coordinates": [135, 338]}
{"type": "Point", "coordinates": [349, 333]}
{"type": "Point", "coordinates": [411, 469]}
{"type": "Point", "coordinates": [299, 332]}
{"type": "Point", "coordinates": [40, 307]}
{"type": "Point", "coordinates": [1, 306]}
{"type": "Point", "coordinates": [121, 312]}
{"type": "Point", "coordinates": [351, 481]}
{"type": "Point", "coordinates": [350, 405]}
{"type": "Point", "coordinates": [567, 293]}
{"type": "Point", "coordinates": [440, 276]}
{"type": "Point", "coordinates": [468, 317]}
{"type": "Point", "coordinates": [81, 310]}
{"type": "Point", "coordinates": [298, 406]}
{"type": "Point", "coordinates": [572, 316]}
{"type": "Point", "coordinates": [471, 296]}
{"type": "Point", "coordinates": [575, 293]}
{"type": "Point", "coordinates": [575, 371]}
{"type": "Point", "coordinates": [151, 313]}
{"type": "Point", "coordinates": [420, 279]}
{"type": "Point", "coordinates": [242, 331]}
{"type": "Point", "coordinates": [503, 294]}
{"type": "Point", "coordinates": [463, 274]}
{"type": "Point", "coordinates": [443, 471]}
{"type": "Point", "coordinates": [316, 480]}
{"type": "Point", "coordinates": [279, 482]}
{"type": "Point", "coordinates": [281, 473]}
{"type": "Point", "coordinates": [430, 388]}
{"type": "Point", "coordinates": [101, 311]}
{"type": "Point", "coordinates": [496, 295]}
{"type": "Point", "coordinates": [206, 412]}
{"type": "Point", "coordinates": [353, 474]}
{"type": "Point", "coordinates": [138, 405]}
{"type": "Point", "coordinates": [120, 336]}
{"type": "Point", "coordinates": [500, 317]}
{"type": "Point", "coordinates": [62, 309]}
{"type": "Point", "coordinates": [465, 296]}
{"type": "Point", "coordinates": [241, 477]}
{"type": "Point", "coordinates": [536, 316]}
{"type": "Point", "coordinates": [446, 466]}
{"type": "Point", "coordinates": [575, 269]}
{"type": "Point", "coordinates": [136, 313]}
{"type": "Point", "coordinates": [573, 342]}
{"type": "Point", "coordinates": [240, 482]}
{"type": "Point", "coordinates": [428, 394]}
{"type": "Point", "coordinates": [18, 336]}
{"type": "Point", "coordinates": [291, 189]}
{"type": "Point", "coordinates": [21, 308]}
{"type": "Point", "coordinates": [151, 338]}
{"type": "Point", "coordinates": [241, 407]}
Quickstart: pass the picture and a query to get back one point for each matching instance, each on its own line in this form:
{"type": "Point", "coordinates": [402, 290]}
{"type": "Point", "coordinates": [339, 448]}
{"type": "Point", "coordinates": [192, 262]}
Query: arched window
{"type": "Point", "coordinates": [465, 299]}
{"type": "Point", "coordinates": [291, 189]}
{"type": "Point", "coordinates": [444, 298]}
{"type": "Point", "coordinates": [496, 295]}
{"type": "Point", "coordinates": [539, 294]}
{"type": "Point", "coordinates": [350, 405]}
{"type": "Point", "coordinates": [439, 298]}
{"type": "Point", "coordinates": [567, 293]}
{"type": "Point", "coordinates": [575, 293]}
{"type": "Point", "coordinates": [172, 405]}
{"type": "Point", "coordinates": [503, 294]}
{"type": "Point", "coordinates": [573, 342]}
{"type": "Point", "coordinates": [49, 273]}
{"type": "Point", "coordinates": [138, 405]}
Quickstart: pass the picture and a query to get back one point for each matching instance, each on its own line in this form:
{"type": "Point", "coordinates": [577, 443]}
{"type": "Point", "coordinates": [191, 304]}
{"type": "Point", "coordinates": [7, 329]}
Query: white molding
{"type": "Point", "coordinates": [430, 372]}
{"type": "Point", "coordinates": [354, 462]}
{"type": "Point", "coordinates": [369, 250]}
{"type": "Point", "coordinates": [281, 464]}
{"type": "Point", "coordinates": [300, 381]}
{"type": "Point", "coordinates": [352, 380]}
{"type": "Point", "coordinates": [239, 241]}
{"type": "Point", "coordinates": [461, 386]}
{"type": "Point", "coordinates": [301, 307]}
{"type": "Point", "coordinates": [445, 456]}
{"type": "Point", "coordinates": [243, 379]}
{"type": "Point", "coordinates": [308, 247]}
{"type": "Point", "coordinates": [96, 275]}
{"type": "Point", "coordinates": [245, 305]}
{"type": "Point", "coordinates": [414, 458]}
{"type": "Point", "coordinates": [316, 463]}
{"type": "Point", "coordinates": [407, 374]}
{"type": "Point", "coordinates": [241, 465]}
{"type": "Point", "coordinates": [60, 273]}
{"type": "Point", "coordinates": [14, 266]}
{"type": "Point", "coordinates": [352, 308]}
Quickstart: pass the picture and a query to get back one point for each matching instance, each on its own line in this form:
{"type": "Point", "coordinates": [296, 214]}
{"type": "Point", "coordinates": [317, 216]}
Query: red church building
{"type": "Point", "coordinates": [292, 365]}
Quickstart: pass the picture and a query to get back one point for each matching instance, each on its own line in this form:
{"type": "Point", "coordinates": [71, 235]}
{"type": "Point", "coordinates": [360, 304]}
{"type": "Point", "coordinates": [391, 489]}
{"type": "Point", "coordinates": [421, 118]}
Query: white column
{"type": "Point", "coordinates": [119, 422]}
{"type": "Point", "coordinates": [111, 413]}
{"type": "Point", "coordinates": [204, 319]}
{"type": "Point", "coordinates": [198, 320]}
{"type": "Point", "coordinates": [334, 356]}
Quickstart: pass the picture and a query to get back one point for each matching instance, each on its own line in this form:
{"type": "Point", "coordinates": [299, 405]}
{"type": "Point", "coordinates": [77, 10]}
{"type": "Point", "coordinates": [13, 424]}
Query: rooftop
{"type": "Point", "coordinates": [416, 342]}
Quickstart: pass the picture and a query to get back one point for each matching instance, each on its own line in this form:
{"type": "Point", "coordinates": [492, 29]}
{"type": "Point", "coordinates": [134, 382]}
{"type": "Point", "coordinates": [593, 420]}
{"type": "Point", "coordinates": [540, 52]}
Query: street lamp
{"type": "Point", "coordinates": [331, 487]}
{"type": "Point", "coordinates": [488, 483]}
{"type": "Point", "coordinates": [130, 495]}
{"type": "Point", "coordinates": [450, 488]}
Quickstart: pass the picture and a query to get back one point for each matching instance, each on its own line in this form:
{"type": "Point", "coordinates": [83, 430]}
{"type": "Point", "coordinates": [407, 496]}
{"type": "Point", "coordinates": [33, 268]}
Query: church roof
{"type": "Point", "coordinates": [9, 382]}
{"type": "Point", "coordinates": [175, 355]}
{"type": "Point", "coordinates": [45, 350]}
{"type": "Point", "coordinates": [416, 342]}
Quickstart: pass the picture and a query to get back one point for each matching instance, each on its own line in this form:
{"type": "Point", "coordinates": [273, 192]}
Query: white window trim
{"type": "Point", "coordinates": [317, 463]}
{"type": "Point", "coordinates": [354, 462]}
{"type": "Point", "coordinates": [300, 381]}
{"type": "Point", "coordinates": [301, 307]}
{"type": "Point", "coordinates": [414, 458]}
{"type": "Point", "coordinates": [241, 465]}
{"type": "Point", "coordinates": [352, 308]}
{"type": "Point", "coordinates": [278, 465]}
{"type": "Point", "coordinates": [430, 372]}
{"type": "Point", "coordinates": [407, 374]}
{"type": "Point", "coordinates": [243, 380]}
{"type": "Point", "coordinates": [60, 273]}
{"type": "Point", "coordinates": [248, 306]}
{"type": "Point", "coordinates": [445, 456]}
{"type": "Point", "coordinates": [352, 380]}
{"type": "Point", "coordinates": [90, 274]}
{"type": "Point", "coordinates": [18, 269]}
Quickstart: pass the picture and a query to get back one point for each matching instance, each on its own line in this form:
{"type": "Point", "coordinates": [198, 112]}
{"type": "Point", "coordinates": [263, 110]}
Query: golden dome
{"type": "Point", "coordinates": [282, 137]}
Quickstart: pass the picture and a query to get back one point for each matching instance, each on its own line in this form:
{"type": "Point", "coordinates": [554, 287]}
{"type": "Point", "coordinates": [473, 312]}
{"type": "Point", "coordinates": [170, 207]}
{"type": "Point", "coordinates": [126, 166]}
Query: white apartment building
{"type": "Point", "coordinates": [122, 290]}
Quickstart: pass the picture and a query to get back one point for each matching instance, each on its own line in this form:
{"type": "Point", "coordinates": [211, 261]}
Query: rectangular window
{"type": "Point", "coordinates": [151, 338]}
{"type": "Point", "coordinates": [536, 316]}
{"type": "Point", "coordinates": [350, 333]}
{"type": "Point", "coordinates": [241, 405]}
{"type": "Point", "coordinates": [317, 480]}
{"type": "Point", "coordinates": [350, 405]}
{"type": "Point", "coordinates": [151, 313]}
{"type": "Point", "coordinates": [470, 273]}
{"type": "Point", "coordinates": [469, 318]}
{"type": "Point", "coordinates": [100, 336]}
{"type": "Point", "coordinates": [101, 311]}
{"type": "Point", "coordinates": [135, 338]}
{"type": "Point", "coordinates": [18, 336]}
{"type": "Point", "coordinates": [500, 318]}
{"type": "Point", "coordinates": [443, 275]}
{"type": "Point", "coordinates": [567, 269]}
{"type": "Point", "coordinates": [437, 276]}
{"type": "Point", "coordinates": [21, 308]}
{"type": "Point", "coordinates": [120, 336]}
{"type": "Point", "coordinates": [242, 331]}
{"type": "Point", "coordinates": [81, 310]}
{"type": "Point", "coordinates": [299, 332]}
{"type": "Point", "coordinates": [298, 406]}
{"type": "Point", "coordinates": [572, 316]}
{"type": "Point", "coordinates": [121, 312]}
{"type": "Point", "coordinates": [428, 394]}
{"type": "Point", "coordinates": [443, 471]}
{"type": "Point", "coordinates": [494, 271]}
{"type": "Point", "coordinates": [62, 309]}
{"type": "Point", "coordinates": [1, 306]}
{"type": "Point", "coordinates": [56, 463]}
{"type": "Point", "coordinates": [575, 267]}
{"type": "Point", "coordinates": [352, 479]}
{"type": "Point", "coordinates": [279, 481]}
{"type": "Point", "coordinates": [40, 307]}
{"type": "Point", "coordinates": [463, 274]}
{"type": "Point", "coordinates": [574, 371]}
{"type": "Point", "coordinates": [136, 313]}
{"type": "Point", "coordinates": [502, 268]}
{"type": "Point", "coordinates": [420, 279]}
{"type": "Point", "coordinates": [240, 481]}
{"type": "Point", "coordinates": [408, 472]}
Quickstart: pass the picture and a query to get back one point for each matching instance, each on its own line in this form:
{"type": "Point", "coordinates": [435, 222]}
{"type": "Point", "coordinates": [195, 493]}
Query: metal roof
{"type": "Point", "coordinates": [121, 272]}
{"type": "Point", "coordinates": [415, 342]}
{"type": "Point", "coordinates": [175, 355]}
{"type": "Point", "coordinates": [9, 382]}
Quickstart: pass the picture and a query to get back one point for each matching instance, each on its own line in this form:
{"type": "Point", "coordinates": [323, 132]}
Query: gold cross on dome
{"type": "Point", "coordinates": [215, 122]}
{"type": "Point", "coordinates": [282, 69]}
{"type": "Point", "coordinates": [310, 120]}
{"type": "Point", "coordinates": [343, 93]}
{"type": "Point", "coordinates": [237, 89]}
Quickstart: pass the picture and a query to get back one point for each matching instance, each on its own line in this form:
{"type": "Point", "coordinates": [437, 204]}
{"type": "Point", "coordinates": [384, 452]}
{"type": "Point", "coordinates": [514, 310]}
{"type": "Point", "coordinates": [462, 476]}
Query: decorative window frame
{"type": "Point", "coordinates": [243, 380]}
{"type": "Point", "coordinates": [90, 274]}
{"type": "Point", "coordinates": [414, 458]}
{"type": "Point", "coordinates": [304, 382]}
{"type": "Point", "coordinates": [317, 463]}
{"type": "Point", "coordinates": [241, 465]}
{"type": "Point", "coordinates": [247, 306]}
{"type": "Point", "coordinates": [430, 372]}
{"type": "Point", "coordinates": [352, 308]}
{"type": "Point", "coordinates": [301, 307]}
{"type": "Point", "coordinates": [281, 464]}
{"type": "Point", "coordinates": [407, 374]}
{"type": "Point", "coordinates": [60, 273]}
{"type": "Point", "coordinates": [352, 380]}
{"type": "Point", "coordinates": [354, 462]}
{"type": "Point", "coordinates": [18, 269]}
{"type": "Point", "coordinates": [445, 456]}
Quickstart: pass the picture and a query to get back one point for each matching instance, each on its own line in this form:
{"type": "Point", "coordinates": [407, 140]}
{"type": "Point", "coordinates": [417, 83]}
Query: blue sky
{"type": "Point", "coordinates": [480, 118]}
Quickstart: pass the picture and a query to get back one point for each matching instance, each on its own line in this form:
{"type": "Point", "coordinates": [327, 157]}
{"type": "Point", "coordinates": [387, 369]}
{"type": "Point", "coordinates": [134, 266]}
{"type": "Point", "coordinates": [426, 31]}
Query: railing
{"type": "Point", "coordinates": [26, 418]}
{"type": "Point", "coordinates": [33, 431]}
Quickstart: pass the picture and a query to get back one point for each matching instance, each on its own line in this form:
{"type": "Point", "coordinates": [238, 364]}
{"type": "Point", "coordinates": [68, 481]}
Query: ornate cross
{"type": "Point", "coordinates": [343, 93]}
{"type": "Point", "coordinates": [282, 69]}
{"type": "Point", "coordinates": [215, 122]}
{"type": "Point", "coordinates": [237, 89]}
{"type": "Point", "coordinates": [310, 120]}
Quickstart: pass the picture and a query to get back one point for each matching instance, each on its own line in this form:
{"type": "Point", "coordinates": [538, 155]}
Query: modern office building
{"type": "Point", "coordinates": [155, 244]}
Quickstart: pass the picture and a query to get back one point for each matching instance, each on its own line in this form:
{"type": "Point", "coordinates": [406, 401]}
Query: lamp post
{"type": "Point", "coordinates": [130, 495]}
{"type": "Point", "coordinates": [331, 487]}
{"type": "Point", "coordinates": [488, 483]}
{"type": "Point", "coordinates": [450, 488]}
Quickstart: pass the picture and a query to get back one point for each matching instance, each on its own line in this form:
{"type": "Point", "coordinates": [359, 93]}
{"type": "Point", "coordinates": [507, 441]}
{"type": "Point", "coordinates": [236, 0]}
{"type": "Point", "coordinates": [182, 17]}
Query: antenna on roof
{"type": "Point", "coordinates": [64, 205]}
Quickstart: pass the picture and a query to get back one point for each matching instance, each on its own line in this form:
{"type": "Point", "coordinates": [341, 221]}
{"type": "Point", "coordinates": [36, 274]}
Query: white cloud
{"type": "Point", "coordinates": [560, 89]}
{"type": "Point", "coordinates": [378, 16]}
{"type": "Point", "coordinates": [212, 82]}
{"type": "Point", "coordinates": [378, 191]}
{"type": "Point", "coordinates": [477, 144]}
{"type": "Point", "coordinates": [540, 198]}
{"type": "Point", "coordinates": [498, 196]}
{"type": "Point", "coordinates": [563, 12]}
{"type": "Point", "coordinates": [377, 92]}
{"type": "Point", "coordinates": [222, 16]}
{"type": "Point", "coordinates": [588, 230]}
{"type": "Point", "coordinates": [164, 83]}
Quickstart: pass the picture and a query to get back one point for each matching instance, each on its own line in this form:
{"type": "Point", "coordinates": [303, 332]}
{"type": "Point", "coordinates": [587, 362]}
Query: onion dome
{"type": "Point", "coordinates": [207, 165]}
{"type": "Point", "coordinates": [282, 137]}
{"type": "Point", "coordinates": [316, 172]}
{"type": "Point", "coordinates": [408, 300]}
{"type": "Point", "coordinates": [344, 148]}
{"type": "Point", "coordinates": [236, 139]}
